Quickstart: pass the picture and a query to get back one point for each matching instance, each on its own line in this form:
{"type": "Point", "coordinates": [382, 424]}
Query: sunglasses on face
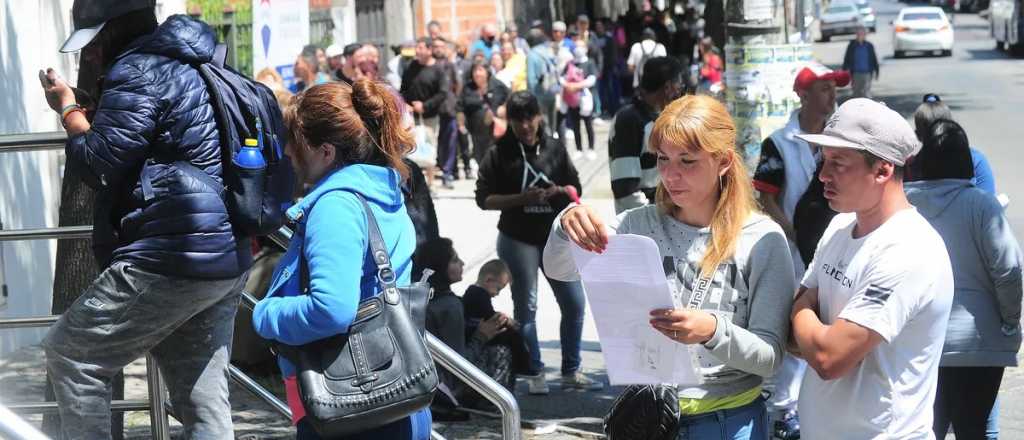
{"type": "Point", "coordinates": [931, 97]}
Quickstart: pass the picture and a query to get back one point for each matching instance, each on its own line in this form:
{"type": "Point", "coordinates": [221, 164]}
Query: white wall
{"type": "Point", "coordinates": [30, 34]}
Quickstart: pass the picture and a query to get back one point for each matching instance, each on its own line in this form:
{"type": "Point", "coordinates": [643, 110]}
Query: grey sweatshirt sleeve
{"type": "Point", "coordinates": [558, 261]}
{"type": "Point", "coordinates": [758, 348]}
{"type": "Point", "coordinates": [1002, 256]}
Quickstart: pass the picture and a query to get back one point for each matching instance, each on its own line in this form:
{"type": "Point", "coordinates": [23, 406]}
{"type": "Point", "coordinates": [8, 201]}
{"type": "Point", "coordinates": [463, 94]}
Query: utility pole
{"type": "Point", "coordinates": [760, 67]}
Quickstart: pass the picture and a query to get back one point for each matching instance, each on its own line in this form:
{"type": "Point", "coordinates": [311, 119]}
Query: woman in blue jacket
{"type": "Point", "coordinates": [343, 141]}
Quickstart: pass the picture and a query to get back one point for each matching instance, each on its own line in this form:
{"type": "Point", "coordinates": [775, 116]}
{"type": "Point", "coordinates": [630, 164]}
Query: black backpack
{"type": "Point", "coordinates": [256, 198]}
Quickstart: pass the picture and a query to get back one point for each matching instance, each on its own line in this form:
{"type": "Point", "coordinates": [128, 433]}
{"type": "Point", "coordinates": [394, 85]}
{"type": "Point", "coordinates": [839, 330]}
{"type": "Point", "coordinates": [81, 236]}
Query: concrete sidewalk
{"type": "Point", "coordinates": [474, 233]}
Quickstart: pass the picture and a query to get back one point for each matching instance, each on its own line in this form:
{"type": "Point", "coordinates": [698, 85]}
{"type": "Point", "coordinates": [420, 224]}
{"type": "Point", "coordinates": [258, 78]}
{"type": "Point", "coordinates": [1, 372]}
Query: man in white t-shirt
{"type": "Point", "coordinates": [870, 317]}
{"type": "Point", "coordinates": [646, 49]}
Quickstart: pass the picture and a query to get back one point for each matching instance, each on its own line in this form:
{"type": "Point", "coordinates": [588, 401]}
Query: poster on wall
{"type": "Point", "coordinates": [280, 28]}
{"type": "Point", "coordinates": [759, 91]}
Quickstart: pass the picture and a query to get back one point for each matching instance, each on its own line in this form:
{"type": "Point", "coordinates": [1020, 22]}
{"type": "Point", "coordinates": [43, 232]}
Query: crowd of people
{"type": "Point", "coordinates": [871, 251]}
{"type": "Point", "coordinates": [582, 73]}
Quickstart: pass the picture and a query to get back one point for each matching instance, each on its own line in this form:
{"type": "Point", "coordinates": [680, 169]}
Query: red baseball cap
{"type": "Point", "coordinates": [815, 72]}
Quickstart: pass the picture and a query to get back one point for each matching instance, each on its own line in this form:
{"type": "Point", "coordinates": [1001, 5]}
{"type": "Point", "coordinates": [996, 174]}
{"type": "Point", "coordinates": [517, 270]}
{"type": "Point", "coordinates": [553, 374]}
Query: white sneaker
{"type": "Point", "coordinates": [576, 154]}
{"type": "Point", "coordinates": [591, 155]}
{"type": "Point", "coordinates": [537, 383]}
{"type": "Point", "coordinates": [580, 381]}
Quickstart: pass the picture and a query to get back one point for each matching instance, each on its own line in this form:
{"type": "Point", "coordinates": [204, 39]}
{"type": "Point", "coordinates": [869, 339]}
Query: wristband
{"type": "Point", "coordinates": [68, 112]}
{"type": "Point", "coordinates": [67, 109]}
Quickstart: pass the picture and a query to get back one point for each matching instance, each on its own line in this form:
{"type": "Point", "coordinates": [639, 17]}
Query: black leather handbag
{"type": "Point", "coordinates": [380, 371]}
{"type": "Point", "coordinates": [644, 412]}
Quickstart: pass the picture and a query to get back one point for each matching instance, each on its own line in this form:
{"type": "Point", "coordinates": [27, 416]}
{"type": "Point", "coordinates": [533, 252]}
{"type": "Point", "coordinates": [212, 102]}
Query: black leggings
{"type": "Point", "coordinates": [964, 398]}
{"type": "Point", "coordinates": [574, 125]}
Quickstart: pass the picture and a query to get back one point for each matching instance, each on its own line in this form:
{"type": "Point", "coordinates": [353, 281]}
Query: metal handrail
{"type": "Point", "coordinates": [444, 355]}
{"type": "Point", "coordinates": [452, 361]}
{"type": "Point", "coordinates": [12, 143]}
{"type": "Point", "coordinates": [46, 233]}
{"type": "Point", "coordinates": [15, 428]}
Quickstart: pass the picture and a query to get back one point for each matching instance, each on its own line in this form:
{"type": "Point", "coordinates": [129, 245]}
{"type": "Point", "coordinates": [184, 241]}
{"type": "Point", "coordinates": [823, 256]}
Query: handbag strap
{"type": "Point", "coordinates": [385, 274]}
{"type": "Point", "coordinates": [378, 249]}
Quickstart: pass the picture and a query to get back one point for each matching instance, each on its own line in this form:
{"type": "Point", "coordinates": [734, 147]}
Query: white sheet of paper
{"type": "Point", "coordinates": [622, 286]}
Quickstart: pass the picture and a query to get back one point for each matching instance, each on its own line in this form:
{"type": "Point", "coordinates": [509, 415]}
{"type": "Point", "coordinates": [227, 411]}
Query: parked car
{"type": "Point", "coordinates": [840, 19]}
{"type": "Point", "coordinates": [867, 15]}
{"type": "Point", "coordinates": [922, 29]}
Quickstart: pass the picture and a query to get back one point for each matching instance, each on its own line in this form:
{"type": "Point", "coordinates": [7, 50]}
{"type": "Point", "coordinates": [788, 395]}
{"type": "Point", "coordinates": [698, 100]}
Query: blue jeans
{"type": "Point", "coordinates": [748, 422]}
{"type": "Point", "coordinates": [992, 425]}
{"type": "Point", "coordinates": [447, 145]}
{"type": "Point", "coordinates": [523, 260]}
{"type": "Point", "coordinates": [415, 427]}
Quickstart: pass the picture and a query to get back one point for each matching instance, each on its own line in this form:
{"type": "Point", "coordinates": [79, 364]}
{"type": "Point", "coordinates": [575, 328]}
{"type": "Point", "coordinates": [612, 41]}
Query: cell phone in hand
{"type": "Point", "coordinates": [44, 80]}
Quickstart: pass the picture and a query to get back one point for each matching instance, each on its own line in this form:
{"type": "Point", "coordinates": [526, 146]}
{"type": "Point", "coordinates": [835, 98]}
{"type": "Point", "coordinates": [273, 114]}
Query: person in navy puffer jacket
{"type": "Point", "coordinates": [344, 140]}
{"type": "Point", "coordinates": [172, 265]}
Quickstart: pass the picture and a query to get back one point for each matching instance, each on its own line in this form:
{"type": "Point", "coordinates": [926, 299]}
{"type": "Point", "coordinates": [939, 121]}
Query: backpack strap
{"type": "Point", "coordinates": [224, 126]}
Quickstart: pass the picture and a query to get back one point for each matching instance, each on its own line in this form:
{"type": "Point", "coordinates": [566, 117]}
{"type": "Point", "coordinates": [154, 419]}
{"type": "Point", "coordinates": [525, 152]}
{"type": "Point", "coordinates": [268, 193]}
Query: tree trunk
{"type": "Point", "coordinates": [76, 266]}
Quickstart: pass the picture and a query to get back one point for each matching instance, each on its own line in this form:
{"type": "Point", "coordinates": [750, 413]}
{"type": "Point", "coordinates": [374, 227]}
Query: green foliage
{"type": "Point", "coordinates": [232, 20]}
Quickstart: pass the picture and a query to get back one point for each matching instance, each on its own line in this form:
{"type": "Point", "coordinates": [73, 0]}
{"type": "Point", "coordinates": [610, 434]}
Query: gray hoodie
{"type": "Point", "coordinates": [984, 325]}
{"type": "Point", "coordinates": [751, 293]}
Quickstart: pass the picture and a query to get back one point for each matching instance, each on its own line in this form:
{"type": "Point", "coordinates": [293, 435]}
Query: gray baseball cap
{"type": "Point", "coordinates": [89, 17]}
{"type": "Point", "coordinates": [863, 124]}
{"type": "Point", "coordinates": [558, 26]}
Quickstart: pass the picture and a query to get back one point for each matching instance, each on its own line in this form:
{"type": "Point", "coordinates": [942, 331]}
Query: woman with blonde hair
{"type": "Point", "coordinates": [706, 225]}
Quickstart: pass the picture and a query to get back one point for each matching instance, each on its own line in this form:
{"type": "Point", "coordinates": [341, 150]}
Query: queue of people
{"type": "Point", "coordinates": [883, 260]}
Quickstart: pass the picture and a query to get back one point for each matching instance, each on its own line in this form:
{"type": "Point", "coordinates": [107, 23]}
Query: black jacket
{"type": "Point", "coordinates": [872, 57]}
{"type": "Point", "coordinates": [502, 172]}
{"type": "Point", "coordinates": [475, 106]}
{"type": "Point", "coordinates": [154, 110]}
{"type": "Point", "coordinates": [428, 84]}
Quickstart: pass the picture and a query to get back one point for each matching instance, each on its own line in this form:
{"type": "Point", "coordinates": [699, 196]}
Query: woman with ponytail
{"type": "Point", "coordinates": [706, 226]}
{"type": "Point", "coordinates": [344, 141]}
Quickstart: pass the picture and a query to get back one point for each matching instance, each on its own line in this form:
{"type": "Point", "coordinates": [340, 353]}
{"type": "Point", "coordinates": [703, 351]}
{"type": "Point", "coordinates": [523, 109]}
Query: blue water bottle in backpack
{"type": "Point", "coordinates": [250, 156]}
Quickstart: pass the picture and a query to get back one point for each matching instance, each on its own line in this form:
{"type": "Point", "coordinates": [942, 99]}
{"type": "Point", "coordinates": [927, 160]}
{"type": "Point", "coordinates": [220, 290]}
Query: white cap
{"type": "Point", "coordinates": [334, 50]}
{"type": "Point", "coordinates": [863, 124]}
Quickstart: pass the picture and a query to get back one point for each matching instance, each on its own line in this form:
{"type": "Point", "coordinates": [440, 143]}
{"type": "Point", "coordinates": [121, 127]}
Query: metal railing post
{"type": "Point", "coordinates": [481, 382]}
{"type": "Point", "coordinates": [443, 355]}
{"type": "Point", "coordinates": [158, 422]}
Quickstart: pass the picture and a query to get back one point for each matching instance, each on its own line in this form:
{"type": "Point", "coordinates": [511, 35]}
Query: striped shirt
{"type": "Point", "coordinates": [633, 170]}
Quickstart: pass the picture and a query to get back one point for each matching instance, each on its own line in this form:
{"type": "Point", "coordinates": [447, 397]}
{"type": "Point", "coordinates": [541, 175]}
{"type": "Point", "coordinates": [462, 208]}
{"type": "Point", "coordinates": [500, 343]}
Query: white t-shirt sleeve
{"type": "Point", "coordinates": [659, 51]}
{"type": "Point", "coordinates": [889, 293]}
{"type": "Point", "coordinates": [635, 54]}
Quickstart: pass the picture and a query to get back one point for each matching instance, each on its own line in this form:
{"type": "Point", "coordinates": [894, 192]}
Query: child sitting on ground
{"type": "Point", "coordinates": [493, 277]}
{"type": "Point", "coordinates": [484, 344]}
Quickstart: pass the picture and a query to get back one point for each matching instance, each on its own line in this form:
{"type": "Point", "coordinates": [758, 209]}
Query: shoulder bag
{"type": "Point", "coordinates": [380, 371]}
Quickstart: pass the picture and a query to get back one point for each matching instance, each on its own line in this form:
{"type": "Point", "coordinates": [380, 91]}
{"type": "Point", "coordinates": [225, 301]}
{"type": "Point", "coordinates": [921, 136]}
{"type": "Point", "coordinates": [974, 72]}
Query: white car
{"type": "Point", "coordinates": [841, 18]}
{"type": "Point", "coordinates": [922, 29]}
